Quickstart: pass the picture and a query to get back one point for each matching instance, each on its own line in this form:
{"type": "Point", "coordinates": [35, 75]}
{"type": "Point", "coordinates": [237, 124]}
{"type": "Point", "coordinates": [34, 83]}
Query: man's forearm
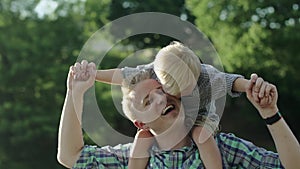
{"type": "Point", "coordinates": [70, 139]}
{"type": "Point", "coordinates": [110, 76]}
{"type": "Point", "coordinates": [286, 144]}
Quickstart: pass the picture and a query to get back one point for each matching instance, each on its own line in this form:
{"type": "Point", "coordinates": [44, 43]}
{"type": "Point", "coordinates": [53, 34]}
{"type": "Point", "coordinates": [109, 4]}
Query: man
{"type": "Point", "coordinates": [174, 148]}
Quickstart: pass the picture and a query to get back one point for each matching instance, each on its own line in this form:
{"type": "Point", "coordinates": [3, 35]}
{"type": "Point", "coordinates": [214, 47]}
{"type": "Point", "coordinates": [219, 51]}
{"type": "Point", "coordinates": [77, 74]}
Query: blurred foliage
{"type": "Point", "coordinates": [38, 44]}
{"type": "Point", "coordinates": [119, 8]}
{"type": "Point", "coordinates": [256, 36]}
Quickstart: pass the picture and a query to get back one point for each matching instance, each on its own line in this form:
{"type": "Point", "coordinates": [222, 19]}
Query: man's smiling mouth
{"type": "Point", "coordinates": [168, 109]}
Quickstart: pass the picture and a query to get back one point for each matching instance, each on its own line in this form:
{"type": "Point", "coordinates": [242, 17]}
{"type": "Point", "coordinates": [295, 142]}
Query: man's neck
{"type": "Point", "coordinates": [173, 140]}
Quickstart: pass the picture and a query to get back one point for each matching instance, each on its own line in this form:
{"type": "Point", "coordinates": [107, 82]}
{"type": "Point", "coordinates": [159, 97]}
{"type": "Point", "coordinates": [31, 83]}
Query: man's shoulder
{"type": "Point", "coordinates": [226, 136]}
{"type": "Point", "coordinates": [95, 156]}
{"type": "Point", "coordinates": [233, 141]}
{"type": "Point", "coordinates": [107, 148]}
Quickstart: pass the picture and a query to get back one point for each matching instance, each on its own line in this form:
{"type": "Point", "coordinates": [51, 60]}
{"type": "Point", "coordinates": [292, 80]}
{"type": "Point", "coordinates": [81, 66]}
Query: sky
{"type": "Point", "coordinates": [45, 7]}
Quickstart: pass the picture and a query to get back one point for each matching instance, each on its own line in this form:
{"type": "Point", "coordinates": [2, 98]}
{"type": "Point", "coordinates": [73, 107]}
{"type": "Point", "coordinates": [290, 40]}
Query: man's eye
{"type": "Point", "coordinates": [148, 102]}
{"type": "Point", "coordinates": [161, 92]}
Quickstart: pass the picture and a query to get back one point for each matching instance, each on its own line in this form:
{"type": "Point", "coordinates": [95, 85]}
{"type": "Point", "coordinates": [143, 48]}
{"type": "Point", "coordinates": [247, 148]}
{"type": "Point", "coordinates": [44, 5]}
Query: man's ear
{"type": "Point", "coordinates": [140, 124]}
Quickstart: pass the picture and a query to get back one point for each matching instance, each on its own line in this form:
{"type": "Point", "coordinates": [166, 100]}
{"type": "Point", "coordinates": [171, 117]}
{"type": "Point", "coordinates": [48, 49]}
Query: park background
{"type": "Point", "coordinates": [39, 40]}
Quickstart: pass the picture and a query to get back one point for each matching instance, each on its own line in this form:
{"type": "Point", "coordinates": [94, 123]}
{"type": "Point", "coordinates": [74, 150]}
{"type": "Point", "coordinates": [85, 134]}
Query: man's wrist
{"type": "Point", "coordinates": [273, 119]}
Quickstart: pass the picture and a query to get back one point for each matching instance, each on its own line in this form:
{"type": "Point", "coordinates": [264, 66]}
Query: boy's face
{"type": "Point", "coordinates": [184, 92]}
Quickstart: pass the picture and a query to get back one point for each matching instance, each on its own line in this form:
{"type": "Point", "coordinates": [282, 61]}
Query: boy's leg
{"type": "Point", "coordinates": [207, 146]}
{"type": "Point", "coordinates": [139, 155]}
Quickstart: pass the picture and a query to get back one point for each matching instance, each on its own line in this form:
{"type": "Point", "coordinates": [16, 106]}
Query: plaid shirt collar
{"type": "Point", "coordinates": [188, 150]}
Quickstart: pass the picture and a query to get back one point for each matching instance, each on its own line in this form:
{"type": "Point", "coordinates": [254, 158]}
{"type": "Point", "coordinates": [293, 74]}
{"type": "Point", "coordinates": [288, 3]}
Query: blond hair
{"type": "Point", "coordinates": [177, 67]}
{"type": "Point", "coordinates": [127, 87]}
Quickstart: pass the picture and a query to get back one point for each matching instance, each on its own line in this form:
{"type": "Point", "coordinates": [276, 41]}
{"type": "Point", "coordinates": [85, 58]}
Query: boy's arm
{"type": "Point", "coordinates": [286, 143]}
{"type": "Point", "coordinates": [259, 86]}
{"type": "Point", "coordinates": [110, 76]}
{"type": "Point", "coordinates": [222, 83]}
{"type": "Point", "coordinates": [208, 149]}
{"type": "Point", "coordinates": [240, 84]}
{"type": "Point", "coordinates": [117, 75]}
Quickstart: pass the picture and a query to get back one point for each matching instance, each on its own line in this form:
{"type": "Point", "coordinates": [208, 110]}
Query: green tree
{"type": "Point", "coordinates": [256, 36]}
{"type": "Point", "coordinates": [34, 57]}
{"type": "Point", "coordinates": [117, 9]}
{"type": "Point", "coordinates": [37, 47]}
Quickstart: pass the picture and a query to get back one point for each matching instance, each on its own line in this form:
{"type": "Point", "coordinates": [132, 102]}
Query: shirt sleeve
{"type": "Point", "coordinates": [131, 71]}
{"type": "Point", "coordinates": [221, 81]}
{"type": "Point", "coordinates": [92, 157]}
{"type": "Point", "coordinates": [239, 153]}
{"type": "Point", "coordinates": [230, 78]}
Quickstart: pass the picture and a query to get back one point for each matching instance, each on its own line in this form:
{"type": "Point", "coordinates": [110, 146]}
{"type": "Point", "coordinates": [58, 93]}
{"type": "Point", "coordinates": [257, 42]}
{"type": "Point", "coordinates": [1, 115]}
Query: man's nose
{"type": "Point", "coordinates": [159, 96]}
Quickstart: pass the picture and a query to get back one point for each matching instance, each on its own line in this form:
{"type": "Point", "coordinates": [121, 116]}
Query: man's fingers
{"type": "Point", "coordinates": [91, 67]}
{"type": "Point", "coordinates": [258, 84]}
{"type": "Point", "coordinates": [77, 66]}
{"type": "Point", "coordinates": [270, 99]}
{"type": "Point", "coordinates": [251, 98]}
{"type": "Point", "coordinates": [252, 82]}
{"type": "Point", "coordinates": [264, 101]}
{"type": "Point", "coordinates": [255, 96]}
{"type": "Point", "coordinates": [253, 77]}
{"type": "Point", "coordinates": [268, 89]}
{"type": "Point", "coordinates": [273, 92]}
{"type": "Point", "coordinates": [84, 65]}
{"type": "Point", "coordinates": [83, 71]}
{"type": "Point", "coordinates": [262, 90]}
{"type": "Point", "coordinates": [77, 70]}
{"type": "Point", "coordinates": [72, 70]}
{"type": "Point", "coordinates": [257, 88]}
{"type": "Point", "coordinates": [250, 94]}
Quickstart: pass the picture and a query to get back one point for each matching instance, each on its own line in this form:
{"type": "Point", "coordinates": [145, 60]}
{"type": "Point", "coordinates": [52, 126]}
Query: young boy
{"type": "Point", "coordinates": [181, 74]}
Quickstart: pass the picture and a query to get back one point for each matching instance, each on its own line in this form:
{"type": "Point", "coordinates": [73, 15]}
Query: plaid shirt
{"type": "Point", "coordinates": [236, 153]}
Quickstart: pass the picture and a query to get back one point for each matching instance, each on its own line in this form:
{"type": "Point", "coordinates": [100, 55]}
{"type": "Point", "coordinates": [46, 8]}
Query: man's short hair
{"type": "Point", "coordinates": [128, 85]}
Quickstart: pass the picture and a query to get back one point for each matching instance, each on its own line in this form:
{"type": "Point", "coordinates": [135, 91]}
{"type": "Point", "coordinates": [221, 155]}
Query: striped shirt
{"type": "Point", "coordinates": [236, 153]}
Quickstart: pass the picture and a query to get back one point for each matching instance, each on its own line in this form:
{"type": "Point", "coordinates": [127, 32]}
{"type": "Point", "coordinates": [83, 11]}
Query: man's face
{"type": "Point", "coordinates": [155, 108]}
